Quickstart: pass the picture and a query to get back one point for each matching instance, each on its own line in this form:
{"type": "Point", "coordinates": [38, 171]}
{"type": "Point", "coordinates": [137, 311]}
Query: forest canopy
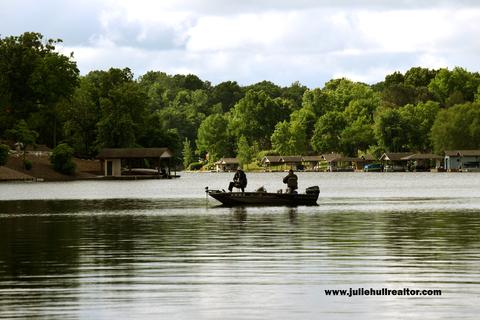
{"type": "Point", "coordinates": [421, 110]}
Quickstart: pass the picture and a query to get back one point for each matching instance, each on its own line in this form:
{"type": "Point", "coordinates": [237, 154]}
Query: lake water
{"type": "Point", "coordinates": [158, 249]}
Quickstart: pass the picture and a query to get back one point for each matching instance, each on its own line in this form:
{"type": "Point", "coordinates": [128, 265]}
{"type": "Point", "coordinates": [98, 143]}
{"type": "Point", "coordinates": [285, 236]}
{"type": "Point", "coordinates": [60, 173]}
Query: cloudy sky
{"type": "Point", "coordinates": [283, 41]}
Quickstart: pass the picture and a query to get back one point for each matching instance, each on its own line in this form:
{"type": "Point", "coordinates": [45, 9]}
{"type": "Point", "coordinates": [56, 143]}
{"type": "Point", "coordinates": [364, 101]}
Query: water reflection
{"type": "Point", "coordinates": [144, 259]}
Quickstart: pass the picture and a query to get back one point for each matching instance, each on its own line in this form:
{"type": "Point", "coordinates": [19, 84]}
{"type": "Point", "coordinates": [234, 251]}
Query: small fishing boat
{"type": "Point", "coordinates": [263, 198]}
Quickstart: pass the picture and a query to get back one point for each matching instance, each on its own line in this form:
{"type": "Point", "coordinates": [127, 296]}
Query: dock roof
{"type": "Point", "coordinates": [423, 156]}
{"type": "Point", "coordinates": [228, 161]}
{"type": "Point", "coordinates": [395, 156]}
{"type": "Point", "coordinates": [130, 153]}
{"type": "Point", "coordinates": [462, 153]}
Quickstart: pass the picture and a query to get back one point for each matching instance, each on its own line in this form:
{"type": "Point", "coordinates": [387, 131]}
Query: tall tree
{"type": "Point", "coordinates": [456, 86]}
{"type": "Point", "coordinates": [33, 79]}
{"type": "Point", "coordinates": [457, 128]}
{"type": "Point", "coordinates": [213, 137]}
{"type": "Point", "coordinates": [123, 116]}
{"type": "Point", "coordinates": [187, 153]}
{"type": "Point", "coordinates": [227, 93]}
{"type": "Point", "coordinates": [289, 138]}
{"type": "Point", "coordinates": [245, 152]}
{"type": "Point", "coordinates": [328, 130]}
{"type": "Point", "coordinates": [392, 130]}
{"type": "Point", "coordinates": [255, 117]}
{"type": "Point", "coordinates": [23, 135]}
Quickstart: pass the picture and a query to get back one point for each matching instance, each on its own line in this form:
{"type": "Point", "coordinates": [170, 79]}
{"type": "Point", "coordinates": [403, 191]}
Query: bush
{"type": "Point", "coordinates": [3, 154]}
{"type": "Point", "coordinates": [27, 164]}
{"type": "Point", "coordinates": [61, 159]}
{"type": "Point", "coordinates": [195, 166]}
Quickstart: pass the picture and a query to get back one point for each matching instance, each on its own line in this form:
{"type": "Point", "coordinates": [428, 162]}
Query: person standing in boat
{"type": "Point", "coordinates": [292, 181]}
{"type": "Point", "coordinates": [239, 180]}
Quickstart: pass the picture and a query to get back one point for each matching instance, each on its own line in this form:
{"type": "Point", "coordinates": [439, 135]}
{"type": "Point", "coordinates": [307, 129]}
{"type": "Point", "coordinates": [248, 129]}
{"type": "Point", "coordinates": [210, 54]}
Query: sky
{"type": "Point", "coordinates": [283, 41]}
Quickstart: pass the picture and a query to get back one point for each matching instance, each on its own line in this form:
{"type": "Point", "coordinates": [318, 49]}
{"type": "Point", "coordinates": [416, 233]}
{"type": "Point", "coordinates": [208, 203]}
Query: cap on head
{"type": "Point", "coordinates": [291, 170]}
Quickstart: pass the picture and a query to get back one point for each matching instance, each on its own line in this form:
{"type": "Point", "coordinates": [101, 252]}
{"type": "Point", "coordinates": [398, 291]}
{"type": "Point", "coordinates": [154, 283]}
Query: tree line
{"type": "Point", "coordinates": [43, 95]}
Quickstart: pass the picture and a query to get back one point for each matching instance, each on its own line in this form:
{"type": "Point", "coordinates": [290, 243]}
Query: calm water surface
{"type": "Point", "coordinates": [159, 250]}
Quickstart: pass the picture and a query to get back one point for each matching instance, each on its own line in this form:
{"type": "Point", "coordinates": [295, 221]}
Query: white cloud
{"type": "Point", "coordinates": [248, 41]}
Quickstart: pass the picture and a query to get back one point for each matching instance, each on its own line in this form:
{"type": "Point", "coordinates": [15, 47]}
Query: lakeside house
{"type": "Point", "coordinates": [293, 162]}
{"type": "Point", "coordinates": [360, 162]}
{"type": "Point", "coordinates": [312, 163]}
{"type": "Point", "coordinates": [271, 161]}
{"type": "Point", "coordinates": [153, 162]}
{"type": "Point", "coordinates": [226, 164]}
{"type": "Point", "coordinates": [423, 161]}
{"type": "Point", "coordinates": [337, 162]}
{"type": "Point", "coordinates": [462, 160]}
{"type": "Point", "coordinates": [275, 163]}
{"type": "Point", "coordinates": [394, 161]}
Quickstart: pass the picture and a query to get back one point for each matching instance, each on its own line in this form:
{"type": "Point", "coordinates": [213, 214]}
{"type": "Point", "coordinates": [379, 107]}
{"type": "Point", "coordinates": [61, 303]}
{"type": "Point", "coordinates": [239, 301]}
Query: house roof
{"type": "Point", "coordinates": [272, 159]}
{"type": "Point", "coordinates": [423, 156]}
{"type": "Point", "coordinates": [124, 153]}
{"type": "Point", "coordinates": [329, 157]}
{"type": "Point", "coordinates": [367, 157]}
{"type": "Point", "coordinates": [228, 161]}
{"type": "Point", "coordinates": [312, 158]}
{"type": "Point", "coordinates": [394, 156]}
{"type": "Point", "coordinates": [291, 159]}
{"type": "Point", "coordinates": [462, 153]}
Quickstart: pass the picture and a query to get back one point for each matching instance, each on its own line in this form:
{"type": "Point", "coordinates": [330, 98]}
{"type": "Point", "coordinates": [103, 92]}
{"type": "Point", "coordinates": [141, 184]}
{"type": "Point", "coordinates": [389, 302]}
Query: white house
{"type": "Point", "coordinates": [462, 160]}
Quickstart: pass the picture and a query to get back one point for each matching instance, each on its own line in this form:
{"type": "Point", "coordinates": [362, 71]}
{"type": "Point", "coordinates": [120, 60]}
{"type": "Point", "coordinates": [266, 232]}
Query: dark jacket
{"type": "Point", "coordinates": [291, 180]}
{"type": "Point", "coordinates": [240, 179]}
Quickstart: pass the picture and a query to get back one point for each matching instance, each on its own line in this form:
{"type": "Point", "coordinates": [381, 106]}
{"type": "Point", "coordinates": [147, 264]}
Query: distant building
{"type": "Point", "coordinates": [292, 162]}
{"type": "Point", "coordinates": [394, 161]}
{"type": "Point", "coordinates": [338, 162]}
{"type": "Point", "coordinates": [462, 160]}
{"type": "Point", "coordinates": [423, 161]}
{"type": "Point", "coordinates": [227, 164]}
{"type": "Point", "coordinates": [271, 161]}
{"type": "Point", "coordinates": [360, 162]}
{"type": "Point", "coordinates": [311, 163]}
{"type": "Point", "coordinates": [116, 162]}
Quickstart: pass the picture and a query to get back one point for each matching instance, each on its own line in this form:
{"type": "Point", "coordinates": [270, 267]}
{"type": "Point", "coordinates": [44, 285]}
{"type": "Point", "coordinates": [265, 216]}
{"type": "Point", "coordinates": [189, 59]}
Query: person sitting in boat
{"type": "Point", "coordinates": [292, 181]}
{"type": "Point", "coordinates": [239, 180]}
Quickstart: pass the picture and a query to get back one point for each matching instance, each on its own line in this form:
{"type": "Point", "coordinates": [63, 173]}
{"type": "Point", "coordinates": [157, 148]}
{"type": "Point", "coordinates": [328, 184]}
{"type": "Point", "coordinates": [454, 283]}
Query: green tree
{"type": "Point", "coordinates": [245, 152]}
{"type": "Point", "coordinates": [420, 118]}
{"type": "Point", "coordinates": [62, 159]}
{"type": "Point", "coordinates": [342, 91]}
{"type": "Point", "coordinates": [23, 135]}
{"type": "Point", "coordinates": [81, 115]}
{"type": "Point", "coordinates": [227, 93]}
{"type": "Point", "coordinates": [419, 77]}
{"type": "Point", "coordinates": [270, 88]}
{"type": "Point", "coordinates": [327, 134]}
{"type": "Point", "coordinates": [456, 86]}
{"type": "Point", "coordinates": [317, 101]}
{"type": "Point", "coordinates": [281, 138]}
{"type": "Point", "coordinates": [213, 137]}
{"type": "Point", "coordinates": [123, 116]}
{"type": "Point", "coordinates": [33, 79]}
{"type": "Point", "coordinates": [392, 130]}
{"type": "Point", "coordinates": [255, 117]}
{"type": "Point", "coordinates": [294, 93]}
{"type": "Point", "coordinates": [457, 128]}
{"type": "Point", "coordinates": [289, 138]}
{"type": "Point", "coordinates": [187, 153]}
{"type": "Point", "coordinates": [357, 136]}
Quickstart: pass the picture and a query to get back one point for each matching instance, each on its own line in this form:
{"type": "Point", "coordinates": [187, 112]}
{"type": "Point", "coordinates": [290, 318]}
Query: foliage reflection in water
{"type": "Point", "coordinates": [140, 258]}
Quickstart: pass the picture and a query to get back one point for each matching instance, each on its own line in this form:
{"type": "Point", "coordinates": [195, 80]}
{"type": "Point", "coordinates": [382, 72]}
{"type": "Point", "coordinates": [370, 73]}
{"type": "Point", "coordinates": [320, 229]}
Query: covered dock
{"type": "Point", "coordinates": [136, 162]}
